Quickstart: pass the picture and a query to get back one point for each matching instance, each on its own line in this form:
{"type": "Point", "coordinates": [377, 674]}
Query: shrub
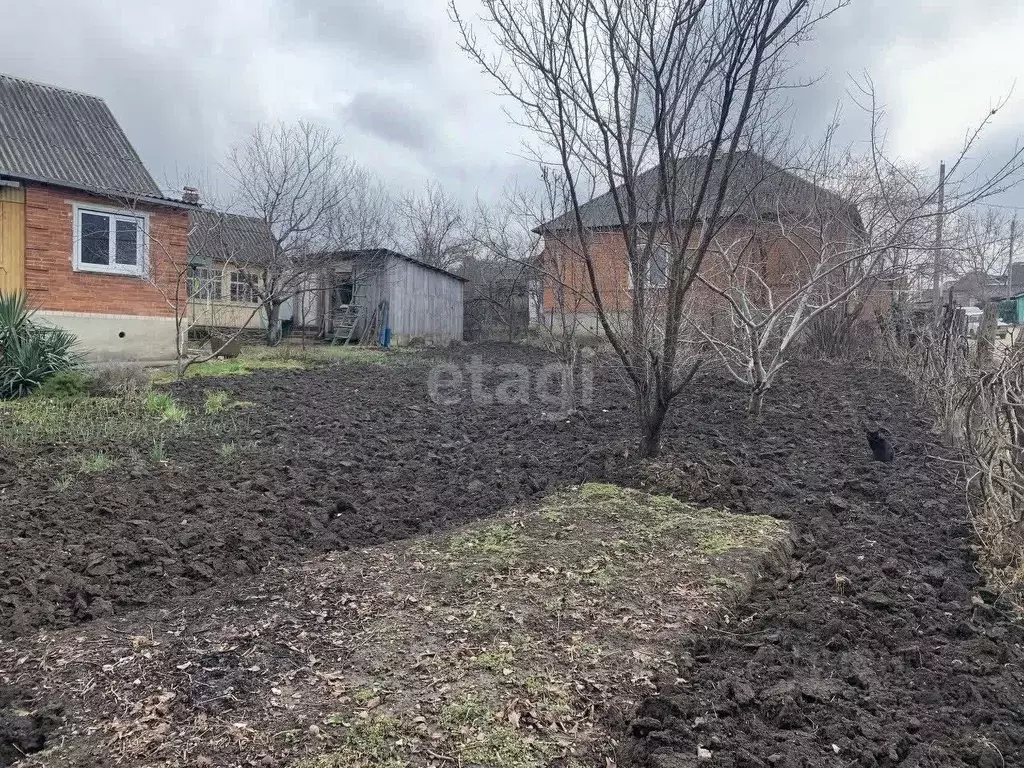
{"type": "Point", "coordinates": [29, 353]}
{"type": "Point", "coordinates": [128, 380]}
{"type": "Point", "coordinates": [66, 385]}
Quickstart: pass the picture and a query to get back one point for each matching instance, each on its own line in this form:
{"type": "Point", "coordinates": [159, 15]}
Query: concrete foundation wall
{"type": "Point", "coordinates": [103, 338]}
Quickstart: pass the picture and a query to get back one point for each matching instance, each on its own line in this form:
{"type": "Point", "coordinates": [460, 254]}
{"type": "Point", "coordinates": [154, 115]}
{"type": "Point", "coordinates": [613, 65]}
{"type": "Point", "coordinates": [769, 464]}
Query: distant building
{"type": "Point", "coordinates": [975, 289]}
{"type": "Point", "coordinates": [759, 195]}
{"type": "Point", "coordinates": [497, 304]}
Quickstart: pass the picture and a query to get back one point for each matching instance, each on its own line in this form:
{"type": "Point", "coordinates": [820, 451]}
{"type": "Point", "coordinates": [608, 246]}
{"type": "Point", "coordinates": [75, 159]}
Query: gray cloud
{"type": "Point", "coordinates": [189, 78]}
{"type": "Point", "coordinates": [393, 119]}
{"type": "Point", "coordinates": [378, 31]}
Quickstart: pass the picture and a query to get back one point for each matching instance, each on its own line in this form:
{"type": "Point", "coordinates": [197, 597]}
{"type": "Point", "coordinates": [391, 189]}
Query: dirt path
{"type": "Point", "coordinates": [877, 650]}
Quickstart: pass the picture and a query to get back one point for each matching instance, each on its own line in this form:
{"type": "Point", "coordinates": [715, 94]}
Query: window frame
{"type": "Point", "coordinates": [242, 274]}
{"type": "Point", "coordinates": [113, 215]}
{"type": "Point", "coordinates": [651, 265]}
{"type": "Point", "coordinates": [206, 283]}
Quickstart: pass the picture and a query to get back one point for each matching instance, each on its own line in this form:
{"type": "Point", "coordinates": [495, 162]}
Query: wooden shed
{"type": "Point", "coordinates": [371, 293]}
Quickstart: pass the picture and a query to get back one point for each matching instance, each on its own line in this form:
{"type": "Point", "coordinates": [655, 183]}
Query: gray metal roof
{"type": "Point", "coordinates": [216, 236]}
{"type": "Point", "coordinates": [71, 139]}
{"type": "Point", "coordinates": [756, 188]}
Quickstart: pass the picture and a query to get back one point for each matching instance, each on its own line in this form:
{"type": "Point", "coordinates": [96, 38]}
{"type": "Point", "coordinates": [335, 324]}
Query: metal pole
{"type": "Point", "coordinates": [1009, 268]}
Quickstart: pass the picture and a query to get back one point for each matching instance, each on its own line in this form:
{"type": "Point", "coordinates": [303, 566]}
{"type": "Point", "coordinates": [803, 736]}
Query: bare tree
{"type": "Point", "coordinates": [828, 257]}
{"type": "Point", "coordinates": [652, 99]}
{"type": "Point", "coordinates": [510, 234]}
{"type": "Point", "coordinates": [294, 178]}
{"type": "Point", "coordinates": [368, 215]}
{"type": "Point", "coordinates": [436, 227]}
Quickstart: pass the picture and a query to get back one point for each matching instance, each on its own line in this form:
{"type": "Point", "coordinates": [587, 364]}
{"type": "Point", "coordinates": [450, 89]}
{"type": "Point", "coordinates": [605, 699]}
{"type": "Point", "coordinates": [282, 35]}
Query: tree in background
{"type": "Point", "coordinates": [294, 178]}
{"type": "Point", "coordinates": [435, 227]}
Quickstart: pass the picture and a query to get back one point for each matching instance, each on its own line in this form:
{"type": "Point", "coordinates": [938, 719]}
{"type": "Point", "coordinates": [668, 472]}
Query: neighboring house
{"type": "Point", "coordinates": [84, 229]}
{"type": "Point", "coordinates": [1014, 278]}
{"type": "Point", "coordinates": [364, 292]}
{"type": "Point", "coordinates": [227, 254]}
{"type": "Point", "coordinates": [975, 289]}
{"type": "Point", "coordinates": [758, 196]}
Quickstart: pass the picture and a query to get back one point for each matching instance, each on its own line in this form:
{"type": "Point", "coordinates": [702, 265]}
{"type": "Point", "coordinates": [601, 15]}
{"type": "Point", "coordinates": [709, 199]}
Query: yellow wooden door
{"type": "Point", "coordinates": [12, 240]}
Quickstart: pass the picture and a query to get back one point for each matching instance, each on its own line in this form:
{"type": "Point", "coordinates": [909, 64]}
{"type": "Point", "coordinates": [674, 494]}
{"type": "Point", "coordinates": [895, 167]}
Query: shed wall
{"type": "Point", "coordinates": [424, 303]}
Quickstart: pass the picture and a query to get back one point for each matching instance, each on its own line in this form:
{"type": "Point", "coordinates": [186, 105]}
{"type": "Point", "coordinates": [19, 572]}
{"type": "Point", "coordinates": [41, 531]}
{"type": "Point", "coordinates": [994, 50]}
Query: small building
{"type": "Point", "coordinates": [362, 294]}
{"type": "Point", "coordinates": [85, 232]}
{"type": "Point", "coordinates": [762, 203]}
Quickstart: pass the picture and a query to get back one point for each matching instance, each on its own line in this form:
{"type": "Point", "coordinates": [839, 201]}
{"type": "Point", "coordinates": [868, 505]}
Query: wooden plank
{"type": "Point", "coordinates": [12, 239]}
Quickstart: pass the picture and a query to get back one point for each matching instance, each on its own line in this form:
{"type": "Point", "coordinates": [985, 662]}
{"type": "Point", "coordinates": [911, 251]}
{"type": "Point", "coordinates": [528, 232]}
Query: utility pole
{"type": "Point", "coordinates": [937, 269]}
{"type": "Point", "coordinates": [1009, 268]}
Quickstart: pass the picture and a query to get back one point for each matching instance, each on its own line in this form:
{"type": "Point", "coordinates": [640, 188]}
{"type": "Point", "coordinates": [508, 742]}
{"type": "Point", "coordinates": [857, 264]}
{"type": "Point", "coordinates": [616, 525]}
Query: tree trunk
{"type": "Point", "coordinates": [651, 426]}
{"type": "Point", "coordinates": [273, 324]}
{"type": "Point", "coordinates": [755, 405]}
{"type": "Point", "coordinates": [759, 383]}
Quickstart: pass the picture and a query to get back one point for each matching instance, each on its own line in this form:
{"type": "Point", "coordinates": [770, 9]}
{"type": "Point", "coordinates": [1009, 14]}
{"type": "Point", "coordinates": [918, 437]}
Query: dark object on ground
{"type": "Point", "coordinates": [225, 346]}
{"type": "Point", "coordinates": [880, 446]}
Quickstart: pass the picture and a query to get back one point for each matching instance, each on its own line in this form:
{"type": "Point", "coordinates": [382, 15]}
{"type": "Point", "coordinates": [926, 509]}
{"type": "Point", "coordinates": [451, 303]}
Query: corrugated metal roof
{"type": "Point", "coordinates": [67, 138]}
{"type": "Point", "coordinates": [756, 188]}
{"type": "Point", "coordinates": [216, 236]}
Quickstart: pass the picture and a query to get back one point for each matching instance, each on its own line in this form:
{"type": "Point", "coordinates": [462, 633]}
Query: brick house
{"type": "Point", "coordinates": [760, 199]}
{"type": "Point", "coordinates": [84, 229]}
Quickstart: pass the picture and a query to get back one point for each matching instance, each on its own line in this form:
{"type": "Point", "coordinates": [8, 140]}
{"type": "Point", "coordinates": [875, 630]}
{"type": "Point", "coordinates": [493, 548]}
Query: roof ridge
{"type": "Point", "coordinates": [51, 86]}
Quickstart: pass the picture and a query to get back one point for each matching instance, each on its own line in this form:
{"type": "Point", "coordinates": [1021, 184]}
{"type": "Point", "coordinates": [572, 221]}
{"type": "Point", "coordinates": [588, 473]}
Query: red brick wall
{"type": "Point", "coordinates": [51, 281]}
{"type": "Point", "coordinates": [782, 261]}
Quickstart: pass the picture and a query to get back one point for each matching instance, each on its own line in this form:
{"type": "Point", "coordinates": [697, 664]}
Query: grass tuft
{"type": "Point", "coordinates": [227, 451]}
{"type": "Point", "coordinates": [163, 406]}
{"type": "Point", "coordinates": [158, 451]}
{"type": "Point", "coordinates": [61, 483]}
{"type": "Point", "coordinates": [97, 462]}
{"type": "Point", "coordinates": [216, 401]}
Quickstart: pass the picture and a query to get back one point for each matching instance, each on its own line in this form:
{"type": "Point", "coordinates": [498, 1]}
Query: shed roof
{"type": "Point", "coordinates": [757, 187]}
{"type": "Point", "coordinates": [66, 138]}
{"type": "Point", "coordinates": [218, 236]}
{"type": "Point", "coordinates": [383, 253]}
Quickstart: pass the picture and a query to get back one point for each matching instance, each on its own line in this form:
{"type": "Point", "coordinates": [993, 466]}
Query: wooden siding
{"type": "Point", "coordinates": [12, 239]}
{"type": "Point", "coordinates": [424, 303]}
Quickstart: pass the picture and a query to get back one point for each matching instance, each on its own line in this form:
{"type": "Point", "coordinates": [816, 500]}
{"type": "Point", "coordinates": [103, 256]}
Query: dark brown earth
{"type": "Point", "coordinates": [879, 644]}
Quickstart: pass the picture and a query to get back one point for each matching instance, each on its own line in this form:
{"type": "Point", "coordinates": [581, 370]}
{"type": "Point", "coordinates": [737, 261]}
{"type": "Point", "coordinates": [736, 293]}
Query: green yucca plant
{"type": "Point", "coordinates": [30, 353]}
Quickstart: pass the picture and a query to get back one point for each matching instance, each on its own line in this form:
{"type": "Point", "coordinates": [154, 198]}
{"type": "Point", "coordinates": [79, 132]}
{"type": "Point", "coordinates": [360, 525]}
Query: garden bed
{"type": "Point", "coordinates": [510, 643]}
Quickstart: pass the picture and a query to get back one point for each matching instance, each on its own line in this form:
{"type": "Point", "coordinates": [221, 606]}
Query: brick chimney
{"type": "Point", "coordinates": [190, 195]}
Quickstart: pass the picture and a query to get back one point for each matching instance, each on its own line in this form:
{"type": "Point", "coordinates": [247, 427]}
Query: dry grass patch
{"type": "Point", "coordinates": [508, 643]}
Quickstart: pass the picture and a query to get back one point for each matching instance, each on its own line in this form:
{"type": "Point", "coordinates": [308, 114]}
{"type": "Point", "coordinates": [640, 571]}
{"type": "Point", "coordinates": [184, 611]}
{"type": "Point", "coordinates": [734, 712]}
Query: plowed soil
{"type": "Point", "coordinates": [879, 648]}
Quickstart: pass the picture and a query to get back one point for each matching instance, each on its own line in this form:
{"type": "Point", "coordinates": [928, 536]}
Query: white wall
{"type": "Point", "coordinates": [122, 338]}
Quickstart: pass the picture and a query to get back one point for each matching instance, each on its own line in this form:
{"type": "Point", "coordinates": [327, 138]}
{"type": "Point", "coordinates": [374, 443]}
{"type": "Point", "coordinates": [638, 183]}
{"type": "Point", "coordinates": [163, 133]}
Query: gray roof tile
{"type": "Point", "coordinates": [756, 188]}
{"type": "Point", "coordinates": [67, 138]}
{"type": "Point", "coordinates": [216, 236]}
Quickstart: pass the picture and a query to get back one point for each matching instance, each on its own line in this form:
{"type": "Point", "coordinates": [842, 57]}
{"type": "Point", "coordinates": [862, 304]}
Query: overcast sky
{"type": "Point", "coordinates": [186, 78]}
